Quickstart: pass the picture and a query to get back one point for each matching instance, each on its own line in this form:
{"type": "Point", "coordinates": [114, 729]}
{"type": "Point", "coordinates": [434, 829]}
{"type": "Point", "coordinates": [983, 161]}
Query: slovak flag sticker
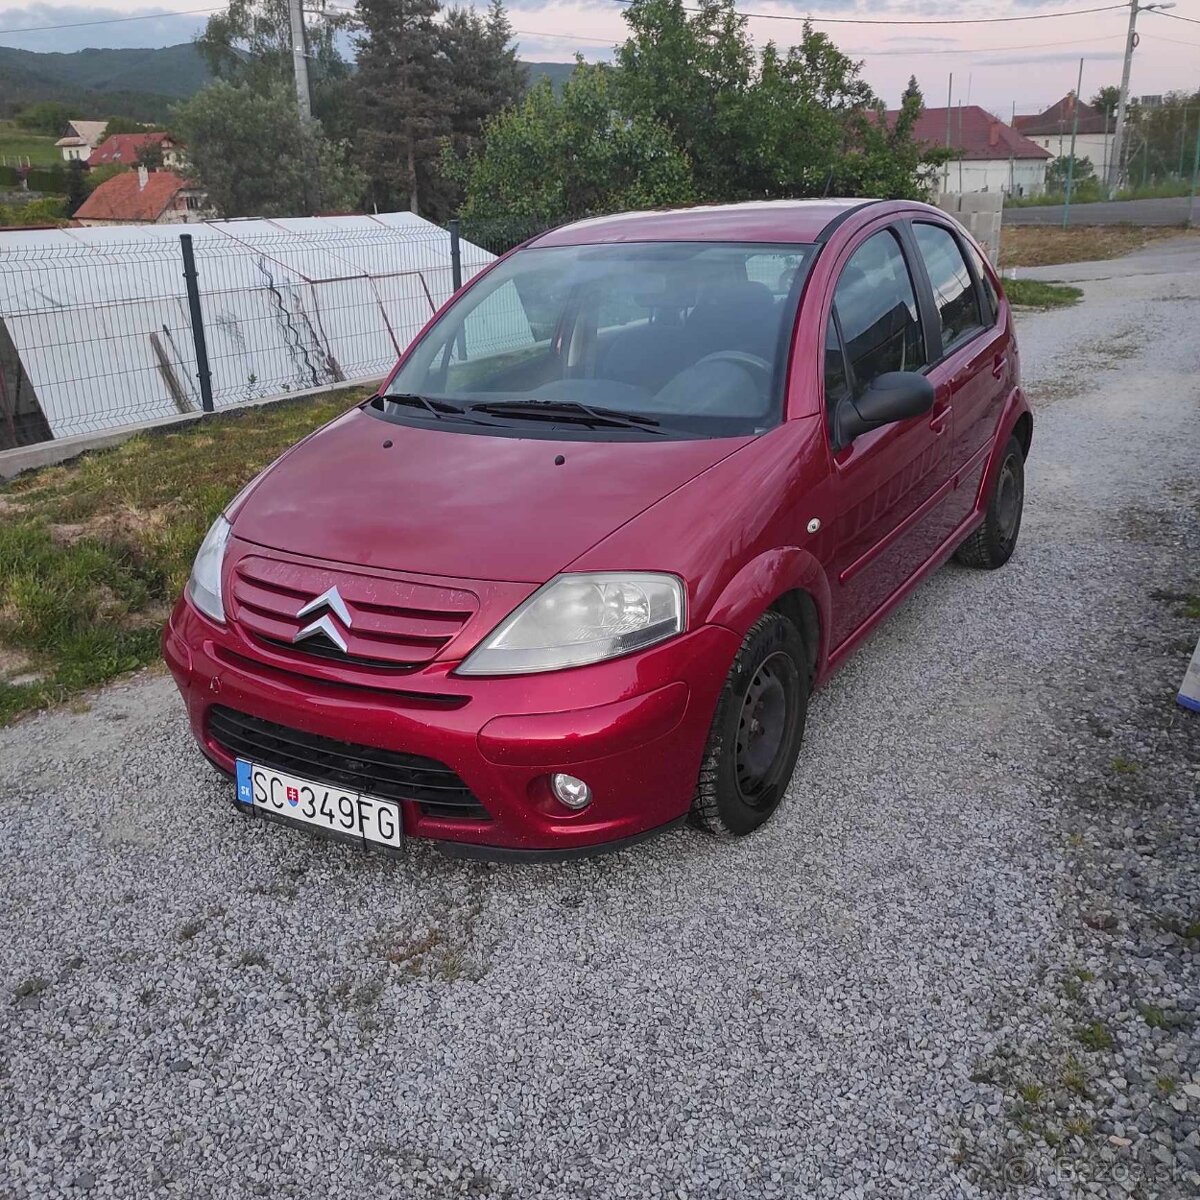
{"type": "Point", "coordinates": [245, 789]}
{"type": "Point", "coordinates": [293, 795]}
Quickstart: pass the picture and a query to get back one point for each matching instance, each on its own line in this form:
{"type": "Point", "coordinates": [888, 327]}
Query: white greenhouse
{"type": "Point", "coordinates": [95, 331]}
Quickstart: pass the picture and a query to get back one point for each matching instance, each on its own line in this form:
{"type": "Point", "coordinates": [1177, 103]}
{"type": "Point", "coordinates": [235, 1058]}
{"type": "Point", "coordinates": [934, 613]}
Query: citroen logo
{"type": "Point", "coordinates": [332, 602]}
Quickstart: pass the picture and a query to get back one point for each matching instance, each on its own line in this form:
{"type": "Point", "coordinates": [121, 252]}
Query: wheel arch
{"type": "Point", "coordinates": [787, 580]}
{"type": "Point", "coordinates": [1023, 432]}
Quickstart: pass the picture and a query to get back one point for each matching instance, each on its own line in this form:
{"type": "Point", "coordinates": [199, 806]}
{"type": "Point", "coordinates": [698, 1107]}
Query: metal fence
{"type": "Point", "coordinates": [99, 328]}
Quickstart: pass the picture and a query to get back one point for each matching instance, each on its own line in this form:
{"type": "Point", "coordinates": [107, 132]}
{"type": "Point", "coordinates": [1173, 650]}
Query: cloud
{"type": "Point", "coordinates": [89, 26]}
{"type": "Point", "coordinates": [1054, 56]}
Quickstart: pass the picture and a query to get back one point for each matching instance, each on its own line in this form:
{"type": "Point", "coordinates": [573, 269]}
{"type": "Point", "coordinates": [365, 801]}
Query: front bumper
{"type": "Point", "coordinates": [634, 729]}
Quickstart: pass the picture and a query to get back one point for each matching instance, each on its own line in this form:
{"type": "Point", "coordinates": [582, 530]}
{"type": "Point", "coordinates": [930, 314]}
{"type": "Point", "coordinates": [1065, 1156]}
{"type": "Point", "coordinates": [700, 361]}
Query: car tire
{"type": "Point", "coordinates": [756, 731]}
{"type": "Point", "coordinates": [992, 544]}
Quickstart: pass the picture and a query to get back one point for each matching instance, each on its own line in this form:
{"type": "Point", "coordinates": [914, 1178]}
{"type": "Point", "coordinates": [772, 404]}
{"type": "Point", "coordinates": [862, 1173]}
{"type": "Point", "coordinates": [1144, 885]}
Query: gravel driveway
{"type": "Point", "coordinates": [962, 961]}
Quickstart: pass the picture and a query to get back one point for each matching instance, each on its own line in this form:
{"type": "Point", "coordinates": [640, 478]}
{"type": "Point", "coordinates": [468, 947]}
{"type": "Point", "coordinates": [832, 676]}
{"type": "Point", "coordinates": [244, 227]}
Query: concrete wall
{"type": "Point", "coordinates": [981, 213]}
{"type": "Point", "coordinates": [1019, 177]}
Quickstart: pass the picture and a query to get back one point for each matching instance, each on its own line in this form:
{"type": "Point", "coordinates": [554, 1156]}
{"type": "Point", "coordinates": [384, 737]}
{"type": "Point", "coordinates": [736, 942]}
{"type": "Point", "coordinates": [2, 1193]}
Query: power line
{"type": "Point", "coordinates": [186, 12]}
{"type": "Point", "coordinates": [1075, 12]}
{"type": "Point", "coordinates": [913, 53]}
{"type": "Point", "coordinates": [1154, 37]}
{"type": "Point", "coordinates": [1175, 17]}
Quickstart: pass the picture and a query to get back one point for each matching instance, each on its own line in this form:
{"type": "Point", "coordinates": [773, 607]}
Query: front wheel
{"type": "Point", "coordinates": [992, 544]}
{"type": "Point", "coordinates": [756, 732]}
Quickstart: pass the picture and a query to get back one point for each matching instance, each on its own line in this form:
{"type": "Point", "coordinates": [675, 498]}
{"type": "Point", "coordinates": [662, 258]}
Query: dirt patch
{"type": "Point", "coordinates": [125, 526]}
{"type": "Point", "coordinates": [1038, 246]}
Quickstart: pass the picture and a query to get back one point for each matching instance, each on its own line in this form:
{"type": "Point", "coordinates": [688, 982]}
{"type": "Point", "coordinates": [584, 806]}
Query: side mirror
{"type": "Point", "coordinates": [893, 396]}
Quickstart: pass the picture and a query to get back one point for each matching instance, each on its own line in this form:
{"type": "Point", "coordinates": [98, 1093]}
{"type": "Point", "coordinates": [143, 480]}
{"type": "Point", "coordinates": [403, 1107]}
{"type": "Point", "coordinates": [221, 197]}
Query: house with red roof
{"type": "Point", "coordinates": [127, 148]}
{"type": "Point", "coordinates": [1051, 130]}
{"type": "Point", "coordinates": [989, 156]}
{"type": "Point", "coordinates": [144, 197]}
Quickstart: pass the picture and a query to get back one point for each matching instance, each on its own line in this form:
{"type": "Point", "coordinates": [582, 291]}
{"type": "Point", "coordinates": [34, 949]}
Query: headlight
{"type": "Point", "coordinates": [204, 587]}
{"type": "Point", "coordinates": [578, 619]}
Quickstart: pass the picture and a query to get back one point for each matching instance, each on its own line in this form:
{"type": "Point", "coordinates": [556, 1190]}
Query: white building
{"type": "Point", "coordinates": [1052, 131]}
{"type": "Point", "coordinates": [81, 138]}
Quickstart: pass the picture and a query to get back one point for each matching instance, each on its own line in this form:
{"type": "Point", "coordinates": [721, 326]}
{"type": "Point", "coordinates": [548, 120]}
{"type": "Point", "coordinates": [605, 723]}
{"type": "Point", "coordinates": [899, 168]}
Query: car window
{"type": "Point", "coordinates": [954, 293]}
{"type": "Point", "coordinates": [991, 301]}
{"type": "Point", "coordinates": [692, 336]}
{"type": "Point", "coordinates": [877, 307]}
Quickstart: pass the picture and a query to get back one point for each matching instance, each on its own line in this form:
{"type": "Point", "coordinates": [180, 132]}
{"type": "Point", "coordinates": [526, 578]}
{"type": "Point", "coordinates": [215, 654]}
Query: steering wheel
{"type": "Point", "coordinates": [760, 368]}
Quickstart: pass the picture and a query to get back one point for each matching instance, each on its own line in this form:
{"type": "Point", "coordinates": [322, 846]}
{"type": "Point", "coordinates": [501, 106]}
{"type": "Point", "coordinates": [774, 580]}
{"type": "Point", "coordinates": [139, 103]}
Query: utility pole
{"type": "Point", "coordinates": [949, 118]}
{"type": "Point", "coordinates": [300, 59]}
{"type": "Point", "coordinates": [1071, 160]}
{"type": "Point", "coordinates": [1131, 41]}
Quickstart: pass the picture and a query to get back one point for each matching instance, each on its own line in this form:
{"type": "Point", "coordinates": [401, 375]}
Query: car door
{"type": "Point", "coordinates": [972, 368]}
{"type": "Point", "coordinates": [890, 482]}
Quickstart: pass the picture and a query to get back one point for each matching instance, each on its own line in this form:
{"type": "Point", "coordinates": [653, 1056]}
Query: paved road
{"type": "Point", "coordinates": [963, 940]}
{"type": "Point", "coordinates": [1172, 210]}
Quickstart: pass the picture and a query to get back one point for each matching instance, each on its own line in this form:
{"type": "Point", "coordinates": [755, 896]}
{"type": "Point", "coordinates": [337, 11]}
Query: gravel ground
{"type": "Point", "coordinates": [962, 961]}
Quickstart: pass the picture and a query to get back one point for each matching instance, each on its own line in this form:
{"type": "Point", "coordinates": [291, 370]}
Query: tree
{"type": "Point", "coordinates": [401, 99]}
{"type": "Point", "coordinates": [46, 116]}
{"type": "Point", "coordinates": [123, 125]}
{"type": "Point", "coordinates": [98, 175]}
{"type": "Point", "coordinates": [1164, 138]}
{"type": "Point", "coordinates": [554, 158]}
{"type": "Point", "coordinates": [794, 122]}
{"type": "Point", "coordinates": [250, 42]}
{"type": "Point", "coordinates": [1107, 99]}
{"type": "Point", "coordinates": [422, 81]}
{"type": "Point", "coordinates": [150, 156]}
{"type": "Point", "coordinates": [77, 190]}
{"type": "Point", "coordinates": [1058, 170]}
{"type": "Point", "coordinates": [248, 148]}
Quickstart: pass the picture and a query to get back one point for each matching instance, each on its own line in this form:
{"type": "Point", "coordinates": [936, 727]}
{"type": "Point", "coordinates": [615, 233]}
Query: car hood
{"type": "Point", "coordinates": [466, 505]}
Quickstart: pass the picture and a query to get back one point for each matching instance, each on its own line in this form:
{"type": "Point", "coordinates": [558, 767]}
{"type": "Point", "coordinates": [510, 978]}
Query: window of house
{"type": "Point", "coordinates": [953, 289]}
{"type": "Point", "coordinates": [877, 308]}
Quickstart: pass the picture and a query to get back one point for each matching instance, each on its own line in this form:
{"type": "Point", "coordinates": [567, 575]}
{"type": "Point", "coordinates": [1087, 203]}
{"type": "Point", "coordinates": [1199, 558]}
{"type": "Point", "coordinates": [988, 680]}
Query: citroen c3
{"type": "Point", "coordinates": [570, 577]}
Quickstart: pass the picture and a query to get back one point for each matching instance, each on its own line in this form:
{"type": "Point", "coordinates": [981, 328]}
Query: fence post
{"type": "Point", "coordinates": [193, 294]}
{"type": "Point", "coordinates": [455, 254]}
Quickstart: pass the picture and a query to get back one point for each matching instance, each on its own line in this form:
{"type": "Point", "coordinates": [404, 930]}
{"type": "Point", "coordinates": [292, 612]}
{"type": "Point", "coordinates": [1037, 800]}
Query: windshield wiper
{"type": "Point", "coordinates": [570, 411]}
{"type": "Point", "coordinates": [442, 409]}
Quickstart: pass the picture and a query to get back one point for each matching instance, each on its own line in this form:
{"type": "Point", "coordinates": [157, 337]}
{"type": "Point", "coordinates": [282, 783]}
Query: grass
{"type": "Point", "coordinates": [1095, 1037]}
{"type": "Point", "coordinates": [95, 551]}
{"type": "Point", "coordinates": [1092, 192]}
{"type": "Point", "coordinates": [17, 143]}
{"type": "Point", "coordinates": [1049, 246]}
{"type": "Point", "coordinates": [1032, 293]}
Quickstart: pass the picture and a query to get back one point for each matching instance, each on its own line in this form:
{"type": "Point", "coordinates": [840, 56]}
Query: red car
{"type": "Point", "coordinates": [572, 575]}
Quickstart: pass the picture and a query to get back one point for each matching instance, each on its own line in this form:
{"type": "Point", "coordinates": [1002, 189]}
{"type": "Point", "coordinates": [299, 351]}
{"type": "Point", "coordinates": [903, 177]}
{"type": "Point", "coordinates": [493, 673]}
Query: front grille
{"type": "Point", "coordinates": [395, 624]}
{"type": "Point", "coordinates": [388, 774]}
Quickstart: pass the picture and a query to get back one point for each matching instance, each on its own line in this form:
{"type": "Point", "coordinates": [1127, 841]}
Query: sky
{"type": "Point", "coordinates": [1029, 63]}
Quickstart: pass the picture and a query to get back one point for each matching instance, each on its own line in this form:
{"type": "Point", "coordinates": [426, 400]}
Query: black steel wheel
{"type": "Point", "coordinates": [992, 544]}
{"type": "Point", "coordinates": [756, 731]}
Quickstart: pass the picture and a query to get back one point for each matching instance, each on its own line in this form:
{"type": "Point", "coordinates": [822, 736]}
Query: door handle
{"type": "Point", "coordinates": [998, 365]}
{"type": "Point", "coordinates": [938, 421]}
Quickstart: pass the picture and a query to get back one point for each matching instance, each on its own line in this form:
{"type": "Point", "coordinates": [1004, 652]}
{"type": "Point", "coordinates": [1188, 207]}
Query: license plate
{"type": "Point", "coordinates": [332, 810]}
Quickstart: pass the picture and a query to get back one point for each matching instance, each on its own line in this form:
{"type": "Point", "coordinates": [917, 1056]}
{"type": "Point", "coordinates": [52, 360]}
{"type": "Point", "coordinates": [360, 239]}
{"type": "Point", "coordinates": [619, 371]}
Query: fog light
{"type": "Point", "coordinates": [572, 792]}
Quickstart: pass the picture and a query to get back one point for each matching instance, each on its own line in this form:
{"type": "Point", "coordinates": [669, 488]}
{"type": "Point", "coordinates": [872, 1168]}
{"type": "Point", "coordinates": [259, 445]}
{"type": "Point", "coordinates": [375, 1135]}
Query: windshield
{"type": "Point", "coordinates": [634, 339]}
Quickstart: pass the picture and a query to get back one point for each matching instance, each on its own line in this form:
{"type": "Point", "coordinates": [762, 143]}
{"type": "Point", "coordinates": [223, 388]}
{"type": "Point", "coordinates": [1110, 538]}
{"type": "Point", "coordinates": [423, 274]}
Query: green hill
{"type": "Point", "coordinates": [556, 72]}
{"type": "Point", "coordinates": [135, 83]}
{"type": "Point", "coordinates": [142, 84]}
